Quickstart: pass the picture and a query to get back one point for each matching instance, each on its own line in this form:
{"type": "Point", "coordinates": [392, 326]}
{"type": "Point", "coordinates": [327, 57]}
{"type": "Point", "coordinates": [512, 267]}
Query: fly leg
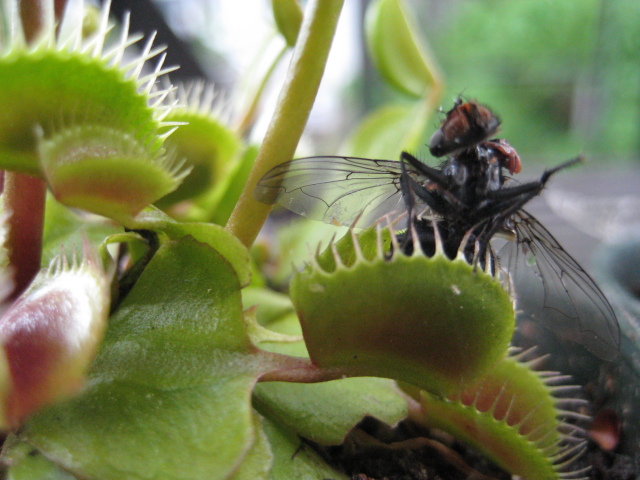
{"type": "Point", "coordinates": [437, 198]}
{"type": "Point", "coordinates": [433, 174]}
{"type": "Point", "coordinates": [409, 201]}
{"type": "Point", "coordinates": [507, 201]}
{"type": "Point", "coordinates": [525, 192]}
{"type": "Point", "coordinates": [409, 187]}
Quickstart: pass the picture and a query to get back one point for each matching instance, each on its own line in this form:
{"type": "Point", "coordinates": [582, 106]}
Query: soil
{"type": "Point", "coordinates": [373, 451]}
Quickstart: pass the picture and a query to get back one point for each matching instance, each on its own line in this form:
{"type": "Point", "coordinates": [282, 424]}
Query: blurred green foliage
{"type": "Point", "coordinates": [563, 75]}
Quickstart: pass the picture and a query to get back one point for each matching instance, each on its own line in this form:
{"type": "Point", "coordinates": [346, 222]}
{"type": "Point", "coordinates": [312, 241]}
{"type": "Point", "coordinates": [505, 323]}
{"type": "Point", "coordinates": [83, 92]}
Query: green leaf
{"type": "Point", "coordinates": [169, 394]}
{"type": "Point", "coordinates": [271, 305]}
{"type": "Point", "coordinates": [397, 52]}
{"type": "Point", "coordinates": [326, 412]}
{"type": "Point", "coordinates": [217, 237]}
{"type": "Point", "coordinates": [293, 459]}
{"type": "Point", "coordinates": [288, 17]}
{"type": "Point", "coordinates": [29, 464]}
{"type": "Point", "coordinates": [389, 130]}
{"type": "Point", "coordinates": [213, 235]}
{"type": "Point", "coordinates": [257, 463]}
{"type": "Point", "coordinates": [287, 324]}
{"type": "Point", "coordinates": [65, 228]}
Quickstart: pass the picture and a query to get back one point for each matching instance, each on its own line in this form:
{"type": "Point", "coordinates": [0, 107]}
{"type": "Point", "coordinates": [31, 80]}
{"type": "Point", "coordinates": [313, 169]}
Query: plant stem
{"type": "Point", "coordinates": [24, 199]}
{"type": "Point", "coordinates": [283, 368]}
{"type": "Point", "coordinates": [288, 121]}
{"type": "Point", "coordinates": [24, 196]}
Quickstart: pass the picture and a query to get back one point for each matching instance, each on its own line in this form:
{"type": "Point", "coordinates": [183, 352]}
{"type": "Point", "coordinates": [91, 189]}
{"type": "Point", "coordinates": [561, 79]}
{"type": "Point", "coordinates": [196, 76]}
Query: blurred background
{"type": "Point", "coordinates": [564, 76]}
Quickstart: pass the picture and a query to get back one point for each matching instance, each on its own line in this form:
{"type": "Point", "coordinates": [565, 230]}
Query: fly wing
{"type": "Point", "coordinates": [336, 190]}
{"type": "Point", "coordinates": [554, 290]}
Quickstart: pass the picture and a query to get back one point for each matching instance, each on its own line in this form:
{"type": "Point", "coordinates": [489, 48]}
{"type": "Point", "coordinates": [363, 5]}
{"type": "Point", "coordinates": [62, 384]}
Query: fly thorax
{"type": "Point", "coordinates": [457, 172]}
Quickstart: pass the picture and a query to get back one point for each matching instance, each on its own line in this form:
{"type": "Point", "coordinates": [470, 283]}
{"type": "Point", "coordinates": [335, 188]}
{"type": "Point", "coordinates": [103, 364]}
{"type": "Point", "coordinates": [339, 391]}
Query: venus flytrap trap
{"type": "Point", "coordinates": [76, 80]}
{"type": "Point", "coordinates": [107, 171]}
{"type": "Point", "coordinates": [50, 335]}
{"type": "Point", "coordinates": [516, 416]}
{"type": "Point", "coordinates": [211, 149]}
{"type": "Point", "coordinates": [443, 327]}
{"type": "Point", "coordinates": [90, 125]}
{"type": "Point", "coordinates": [217, 159]}
{"type": "Point", "coordinates": [432, 322]}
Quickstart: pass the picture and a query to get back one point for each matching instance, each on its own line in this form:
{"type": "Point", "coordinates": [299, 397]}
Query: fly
{"type": "Point", "coordinates": [469, 198]}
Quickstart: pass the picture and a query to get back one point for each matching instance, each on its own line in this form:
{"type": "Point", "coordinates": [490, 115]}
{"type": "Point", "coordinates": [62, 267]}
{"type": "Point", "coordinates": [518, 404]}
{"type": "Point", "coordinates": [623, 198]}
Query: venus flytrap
{"type": "Point", "coordinates": [443, 327]}
{"type": "Point", "coordinates": [49, 336]}
{"type": "Point", "coordinates": [79, 116]}
{"type": "Point", "coordinates": [74, 80]}
{"type": "Point", "coordinates": [431, 322]}
{"type": "Point", "coordinates": [212, 150]}
{"type": "Point", "coordinates": [208, 294]}
{"type": "Point", "coordinates": [107, 171]}
{"type": "Point", "coordinates": [76, 115]}
{"type": "Point", "coordinates": [513, 416]}
{"type": "Point", "coordinates": [89, 124]}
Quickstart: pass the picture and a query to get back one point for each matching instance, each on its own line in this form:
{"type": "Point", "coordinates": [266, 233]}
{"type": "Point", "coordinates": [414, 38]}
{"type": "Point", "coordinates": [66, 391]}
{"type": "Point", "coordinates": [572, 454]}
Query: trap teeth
{"type": "Point", "coordinates": [106, 171]}
{"type": "Point", "coordinates": [74, 78]}
{"type": "Point", "coordinates": [429, 321]}
{"type": "Point", "coordinates": [513, 416]}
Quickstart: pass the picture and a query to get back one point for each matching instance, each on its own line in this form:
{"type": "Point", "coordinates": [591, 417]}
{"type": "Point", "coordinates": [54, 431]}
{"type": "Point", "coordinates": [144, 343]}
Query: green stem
{"type": "Point", "coordinates": [289, 119]}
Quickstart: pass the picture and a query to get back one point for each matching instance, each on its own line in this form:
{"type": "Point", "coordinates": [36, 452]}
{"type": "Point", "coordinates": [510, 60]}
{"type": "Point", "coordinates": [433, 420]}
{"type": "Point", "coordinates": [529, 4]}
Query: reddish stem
{"type": "Point", "coordinates": [24, 199]}
{"type": "Point", "coordinates": [283, 368]}
{"type": "Point", "coordinates": [24, 196]}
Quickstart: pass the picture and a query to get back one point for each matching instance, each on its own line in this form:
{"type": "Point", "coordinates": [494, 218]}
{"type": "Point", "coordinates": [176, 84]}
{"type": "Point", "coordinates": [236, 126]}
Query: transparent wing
{"type": "Point", "coordinates": [337, 190]}
{"type": "Point", "coordinates": [553, 289]}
